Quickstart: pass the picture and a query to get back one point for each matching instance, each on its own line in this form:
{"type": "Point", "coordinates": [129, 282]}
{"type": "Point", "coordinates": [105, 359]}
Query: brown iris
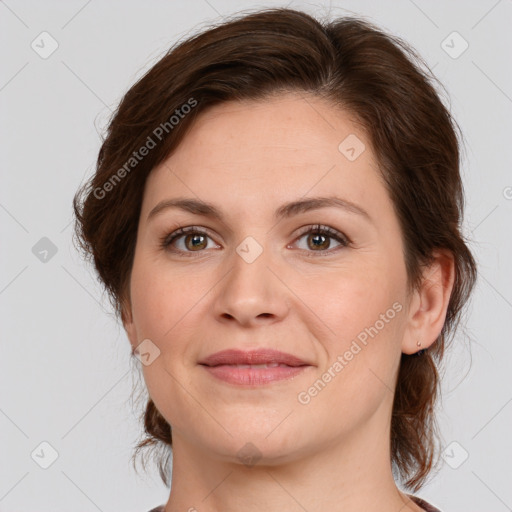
{"type": "Point", "coordinates": [317, 236]}
{"type": "Point", "coordinates": [198, 241]}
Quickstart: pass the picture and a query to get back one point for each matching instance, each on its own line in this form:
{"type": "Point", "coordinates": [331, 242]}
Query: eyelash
{"type": "Point", "coordinates": [167, 240]}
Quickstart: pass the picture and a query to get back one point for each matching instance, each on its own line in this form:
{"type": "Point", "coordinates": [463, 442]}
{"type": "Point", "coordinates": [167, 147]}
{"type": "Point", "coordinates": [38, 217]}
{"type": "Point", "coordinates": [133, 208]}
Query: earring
{"type": "Point", "coordinates": [420, 352]}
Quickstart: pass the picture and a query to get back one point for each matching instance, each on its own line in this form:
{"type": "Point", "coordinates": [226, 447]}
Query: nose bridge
{"type": "Point", "coordinates": [250, 292]}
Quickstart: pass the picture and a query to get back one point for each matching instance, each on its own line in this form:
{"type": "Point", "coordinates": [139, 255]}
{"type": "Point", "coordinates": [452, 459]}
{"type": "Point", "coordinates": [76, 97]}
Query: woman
{"type": "Point", "coordinates": [276, 215]}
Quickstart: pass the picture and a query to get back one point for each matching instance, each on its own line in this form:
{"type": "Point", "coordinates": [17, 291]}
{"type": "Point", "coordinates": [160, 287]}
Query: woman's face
{"type": "Point", "coordinates": [260, 275]}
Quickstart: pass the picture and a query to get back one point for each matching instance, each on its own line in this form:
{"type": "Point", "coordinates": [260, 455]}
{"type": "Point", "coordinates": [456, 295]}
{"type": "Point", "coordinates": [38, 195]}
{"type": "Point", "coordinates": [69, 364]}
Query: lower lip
{"type": "Point", "coordinates": [253, 376]}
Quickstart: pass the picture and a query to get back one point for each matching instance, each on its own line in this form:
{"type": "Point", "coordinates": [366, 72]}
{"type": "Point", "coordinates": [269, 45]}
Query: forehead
{"type": "Point", "coordinates": [279, 148]}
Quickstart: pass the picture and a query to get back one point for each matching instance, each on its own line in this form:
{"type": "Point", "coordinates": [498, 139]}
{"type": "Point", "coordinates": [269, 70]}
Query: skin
{"type": "Point", "coordinates": [248, 159]}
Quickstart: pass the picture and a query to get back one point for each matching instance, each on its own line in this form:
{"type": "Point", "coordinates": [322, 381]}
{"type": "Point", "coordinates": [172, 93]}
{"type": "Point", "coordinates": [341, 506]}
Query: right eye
{"type": "Point", "coordinates": [186, 240]}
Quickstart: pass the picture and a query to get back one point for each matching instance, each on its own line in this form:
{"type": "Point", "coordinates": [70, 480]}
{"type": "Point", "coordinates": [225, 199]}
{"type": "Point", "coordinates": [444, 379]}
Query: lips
{"type": "Point", "coordinates": [260, 358]}
{"type": "Point", "coordinates": [253, 368]}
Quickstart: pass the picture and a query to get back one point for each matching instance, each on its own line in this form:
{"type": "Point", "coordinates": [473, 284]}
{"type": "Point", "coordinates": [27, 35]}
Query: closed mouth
{"type": "Point", "coordinates": [257, 359]}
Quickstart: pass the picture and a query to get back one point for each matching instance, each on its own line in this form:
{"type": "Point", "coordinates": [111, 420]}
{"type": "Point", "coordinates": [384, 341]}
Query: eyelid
{"type": "Point", "coordinates": [166, 241]}
{"type": "Point", "coordinates": [323, 228]}
{"type": "Point", "coordinates": [343, 240]}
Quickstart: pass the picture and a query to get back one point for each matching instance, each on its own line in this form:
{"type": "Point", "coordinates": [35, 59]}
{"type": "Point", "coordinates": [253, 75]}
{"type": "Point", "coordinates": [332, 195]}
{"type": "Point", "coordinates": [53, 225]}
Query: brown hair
{"type": "Point", "coordinates": [375, 77]}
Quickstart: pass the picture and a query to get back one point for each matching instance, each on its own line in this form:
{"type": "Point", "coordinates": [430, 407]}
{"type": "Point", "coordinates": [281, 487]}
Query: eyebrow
{"type": "Point", "coordinates": [199, 207]}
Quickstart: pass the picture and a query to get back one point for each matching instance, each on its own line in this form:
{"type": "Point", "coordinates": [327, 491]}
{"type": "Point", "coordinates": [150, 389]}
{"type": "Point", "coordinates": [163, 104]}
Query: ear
{"type": "Point", "coordinates": [128, 323]}
{"type": "Point", "coordinates": [428, 304]}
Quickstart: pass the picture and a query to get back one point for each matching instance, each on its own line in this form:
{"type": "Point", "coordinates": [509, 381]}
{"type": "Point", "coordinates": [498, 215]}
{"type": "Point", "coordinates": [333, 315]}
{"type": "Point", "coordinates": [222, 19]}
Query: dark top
{"type": "Point", "coordinates": [422, 503]}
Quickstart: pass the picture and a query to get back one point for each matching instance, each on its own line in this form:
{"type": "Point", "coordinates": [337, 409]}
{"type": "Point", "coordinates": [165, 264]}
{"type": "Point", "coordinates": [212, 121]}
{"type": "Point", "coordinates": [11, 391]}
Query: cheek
{"type": "Point", "coordinates": [361, 357]}
{"type": "Point", "coordinates": [351, 300]}
{"type": "Point", "coordinates": [165, 308]}
{"type": "Point", "coordinates": [162, 300]}
{"type": "Point", "coordinates": [362, 314]}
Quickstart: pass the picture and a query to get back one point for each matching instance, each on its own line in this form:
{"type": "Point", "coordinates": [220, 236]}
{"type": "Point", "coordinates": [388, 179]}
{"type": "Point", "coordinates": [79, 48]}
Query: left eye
{"type": "Point", "coordinates": [318, 239]}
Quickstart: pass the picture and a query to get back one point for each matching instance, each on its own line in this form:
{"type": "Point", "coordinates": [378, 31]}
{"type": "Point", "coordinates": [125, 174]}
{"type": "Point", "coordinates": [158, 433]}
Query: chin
{"type": "Point", "coordinates": [255, 442]}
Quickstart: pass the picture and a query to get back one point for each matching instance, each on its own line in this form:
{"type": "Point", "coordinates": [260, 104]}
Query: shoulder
{"type": "Point", "coordinates": [423, 504]}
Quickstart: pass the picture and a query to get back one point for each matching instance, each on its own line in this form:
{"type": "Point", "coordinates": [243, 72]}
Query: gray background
{"type": "Point", "coordinates": [66, 376]}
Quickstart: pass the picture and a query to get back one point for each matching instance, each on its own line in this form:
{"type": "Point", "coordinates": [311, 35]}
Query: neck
{"type": "Point", "coordinates": [349, 475]}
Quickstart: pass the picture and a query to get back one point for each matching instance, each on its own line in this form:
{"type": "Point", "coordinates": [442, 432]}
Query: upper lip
{"type": "Point", "coordinates": [258, 356]}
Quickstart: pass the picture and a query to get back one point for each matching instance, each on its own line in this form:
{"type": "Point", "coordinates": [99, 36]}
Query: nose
{"type": "Point", "coordinates": [251, 294]}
